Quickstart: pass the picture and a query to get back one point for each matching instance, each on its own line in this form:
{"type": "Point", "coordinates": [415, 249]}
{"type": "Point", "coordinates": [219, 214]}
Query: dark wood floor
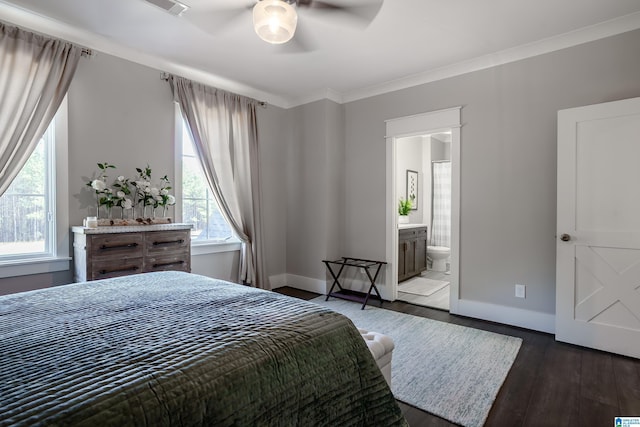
{"type": "Point", "coordinates": [549, 384]}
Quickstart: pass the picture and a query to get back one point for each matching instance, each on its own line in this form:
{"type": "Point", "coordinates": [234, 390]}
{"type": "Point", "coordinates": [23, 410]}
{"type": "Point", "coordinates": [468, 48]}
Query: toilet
{"type": "Point", "coordinates": [439, 256]}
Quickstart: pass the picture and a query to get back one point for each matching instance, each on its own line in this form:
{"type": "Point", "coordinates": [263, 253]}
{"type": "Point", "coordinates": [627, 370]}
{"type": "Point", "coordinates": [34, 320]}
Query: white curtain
{"type": "Point", "coordinates": [35, 73]}
{"type": "Point", "coordinates": [224, 130]}
{"type": "Point", "coordinates": [441, 204]}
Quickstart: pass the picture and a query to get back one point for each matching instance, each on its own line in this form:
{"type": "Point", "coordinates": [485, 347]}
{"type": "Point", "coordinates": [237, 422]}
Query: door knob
{"type": "Point", "coordinates": [565, 237]}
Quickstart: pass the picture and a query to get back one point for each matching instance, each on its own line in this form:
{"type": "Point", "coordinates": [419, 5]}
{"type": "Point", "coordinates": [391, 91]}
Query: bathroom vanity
{"type": "Point", "coordinates": [412, 250]}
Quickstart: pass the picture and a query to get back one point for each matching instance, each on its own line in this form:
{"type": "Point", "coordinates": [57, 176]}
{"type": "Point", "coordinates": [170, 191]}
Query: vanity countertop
{"type": "Point", "coordinates": [405, 226]}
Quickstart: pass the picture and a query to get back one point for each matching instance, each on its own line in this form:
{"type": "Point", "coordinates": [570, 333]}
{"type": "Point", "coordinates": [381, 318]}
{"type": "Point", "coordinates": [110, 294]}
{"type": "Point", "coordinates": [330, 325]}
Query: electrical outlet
{"type": "Point", "coordinates": [520, 291]}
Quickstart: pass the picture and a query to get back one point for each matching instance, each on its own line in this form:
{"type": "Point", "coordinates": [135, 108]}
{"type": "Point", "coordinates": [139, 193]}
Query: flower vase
{"type": "Point", "coordinates": [403, 219]}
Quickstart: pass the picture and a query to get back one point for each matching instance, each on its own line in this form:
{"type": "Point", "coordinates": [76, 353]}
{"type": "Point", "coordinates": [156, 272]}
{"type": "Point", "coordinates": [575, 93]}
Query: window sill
{"type": "Point", "coordinates": [28, 266]}
{"type": "Point", "coordinates": [215, 247]}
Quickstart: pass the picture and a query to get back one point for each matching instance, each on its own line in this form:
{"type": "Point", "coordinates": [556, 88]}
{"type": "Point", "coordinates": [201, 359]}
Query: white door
{"type": "Point", "coordinates": [598, 235]}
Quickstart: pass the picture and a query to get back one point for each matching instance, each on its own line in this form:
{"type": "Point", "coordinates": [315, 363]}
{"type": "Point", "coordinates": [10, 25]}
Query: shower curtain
{"type": "Point", "coordinates": [441, 204]}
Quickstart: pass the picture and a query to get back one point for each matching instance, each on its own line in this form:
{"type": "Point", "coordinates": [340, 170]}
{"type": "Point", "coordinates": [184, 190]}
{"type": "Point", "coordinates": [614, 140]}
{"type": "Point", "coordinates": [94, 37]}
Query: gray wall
{"type": "Point", "coordinates": [409, 156]}
{"type": "Point", "coordinates": [122, 113]}
{"type": "Point", "coordinates": [315, 187]}
{"type": "Point", "coordinates": [508, 151]}
{"type": "Point", "coordinates": [323, 164]}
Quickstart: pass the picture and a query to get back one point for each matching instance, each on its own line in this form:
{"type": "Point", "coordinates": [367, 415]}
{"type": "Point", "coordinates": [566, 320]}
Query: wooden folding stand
{"type": "Point", "coordinates": [365, 264]}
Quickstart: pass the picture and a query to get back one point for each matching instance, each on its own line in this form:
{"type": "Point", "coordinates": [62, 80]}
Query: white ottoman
{"type": "Point", "coordinates": [381, 347]}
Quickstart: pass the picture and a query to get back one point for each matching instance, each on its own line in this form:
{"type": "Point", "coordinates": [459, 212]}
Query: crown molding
{"type": "Point", "coordinates": [24, 18]}
{"type": "Point", "coordinates": [319, 95]}
{"type": "Point", "coordinates": [573, 38]}
{"type": "Point", "coordinates": [29, 20]}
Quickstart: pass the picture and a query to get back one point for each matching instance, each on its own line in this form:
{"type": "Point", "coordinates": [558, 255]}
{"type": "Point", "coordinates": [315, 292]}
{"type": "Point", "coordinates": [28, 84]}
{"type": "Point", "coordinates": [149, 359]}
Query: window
{"type": "Point", "coordinates": [27, 227]}
{"type": "Point", "coordinates": [34, 234]}
{"type": "Point", "coordinates": [198, 205]}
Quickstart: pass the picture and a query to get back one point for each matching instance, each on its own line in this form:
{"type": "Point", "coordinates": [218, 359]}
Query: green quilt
{"type": "Point", "coordinates": [172, 348]}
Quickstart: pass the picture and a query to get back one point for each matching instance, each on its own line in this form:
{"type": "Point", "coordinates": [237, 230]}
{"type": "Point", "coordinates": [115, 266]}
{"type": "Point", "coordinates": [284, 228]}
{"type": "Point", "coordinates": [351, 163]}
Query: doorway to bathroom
{"type": "Point", "coordinates": [423, 181]}
{"type": "Point", "coordinates": [423, 154]}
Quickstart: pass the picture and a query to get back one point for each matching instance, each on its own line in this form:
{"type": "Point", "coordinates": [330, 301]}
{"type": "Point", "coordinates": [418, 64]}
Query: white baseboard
{"type": "Point", "coordinates": [278, 280]}
{"type": "Point", "coordinates": [301, 282]}
{"type": "Point", "coordinates": [322, 287]}
{"type": "Point", "coordinates": [529, 319]}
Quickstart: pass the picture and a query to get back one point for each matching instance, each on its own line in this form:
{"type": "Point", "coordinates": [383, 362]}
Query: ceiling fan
{"type": "Point", "coordinates": [276, 21]}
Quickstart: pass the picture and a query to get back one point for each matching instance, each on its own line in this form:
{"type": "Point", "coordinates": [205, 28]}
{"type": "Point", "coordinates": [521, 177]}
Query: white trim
{"type": "Point", "coordinates": [414, 125]}
{"type": "Point", "coordinates": [306, 283]}
{"type": "Point", "coordinates": [22, 17]}
{"type": "Point", "coordinates": [327, 93]}
{"type": "Point", "coordinates": [61, 215]}
{"type": "Point", "coordinates": [42, 24]}
{"type": "Point", "coordinates": [562, 41]}
{"type": "Point", "coordinates": [529, 319]}
{"type": "Point", "coordinates": [58, 258]}
{"type": "Point", "coordinates": [26, 267]}
{"type": "Point", "coordinates": [422, 124]}
{"type": "Point", "coordinates": [278, 280]}
{"type": "Point", "coordinates": [214, 248]}
{"type": "Point", "coordinates": [177, 161]}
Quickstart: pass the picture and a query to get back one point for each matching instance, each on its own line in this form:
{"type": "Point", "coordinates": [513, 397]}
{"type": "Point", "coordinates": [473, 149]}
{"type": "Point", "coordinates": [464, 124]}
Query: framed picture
{"type": "Point", "coordinates": [412, 188]}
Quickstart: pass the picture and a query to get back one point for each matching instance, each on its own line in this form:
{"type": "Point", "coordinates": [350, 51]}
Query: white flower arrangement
{"type": "Point", "coordinates": [127, 194]}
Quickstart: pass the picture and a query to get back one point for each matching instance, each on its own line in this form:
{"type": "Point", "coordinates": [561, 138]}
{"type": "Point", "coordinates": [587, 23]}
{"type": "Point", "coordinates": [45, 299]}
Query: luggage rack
{"type": "Point", "coordinates": [347, 294]}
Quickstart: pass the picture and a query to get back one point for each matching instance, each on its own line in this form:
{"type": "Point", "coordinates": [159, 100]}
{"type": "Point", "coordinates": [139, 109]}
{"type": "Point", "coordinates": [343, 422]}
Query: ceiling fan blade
{"type": "Point", "coordinates": [215, 21]}
{"type": "Point", "coordinates": [300, 43]}
{"type": "Point", "coordinates": [364, 12]}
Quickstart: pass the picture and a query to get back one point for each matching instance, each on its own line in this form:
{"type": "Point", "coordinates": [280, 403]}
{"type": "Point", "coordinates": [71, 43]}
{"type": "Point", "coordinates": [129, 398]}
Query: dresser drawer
{"type": "Point", "coordinates": [115, 246]}
{"type": "Point", "coordinates": [108, 268]}
{"type": "Point", "coordinates": [165, 262]}
{"type": "Point", "coordinates": [163, 242]}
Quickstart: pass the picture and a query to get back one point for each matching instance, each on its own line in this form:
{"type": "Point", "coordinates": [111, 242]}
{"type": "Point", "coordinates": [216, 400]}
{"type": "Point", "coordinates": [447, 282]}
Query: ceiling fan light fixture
{"type": "Point", "coordinates": [274, 21]}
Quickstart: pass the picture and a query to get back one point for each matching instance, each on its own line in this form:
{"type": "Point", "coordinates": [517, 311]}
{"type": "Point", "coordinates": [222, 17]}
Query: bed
{"type": "Point", "coordinates": [175, 348]}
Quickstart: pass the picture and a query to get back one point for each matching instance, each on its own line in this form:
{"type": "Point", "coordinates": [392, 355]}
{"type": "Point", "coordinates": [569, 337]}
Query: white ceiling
{"type": "Point", "coordinates": [409, 41]}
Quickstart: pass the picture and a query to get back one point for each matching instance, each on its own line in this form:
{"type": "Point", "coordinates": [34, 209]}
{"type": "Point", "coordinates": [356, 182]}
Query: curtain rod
{"type": "Point", "coordinates": [86, 52]}
{"type": "Point", "coordinates": [165, 76]}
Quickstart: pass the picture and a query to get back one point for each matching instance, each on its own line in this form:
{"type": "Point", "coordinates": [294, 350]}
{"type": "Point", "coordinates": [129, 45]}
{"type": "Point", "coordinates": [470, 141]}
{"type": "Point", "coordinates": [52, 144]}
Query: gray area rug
{"type": "Point", "coordinates": [448, 370]}
{"type": "Point", "coordinates": [422, 286]}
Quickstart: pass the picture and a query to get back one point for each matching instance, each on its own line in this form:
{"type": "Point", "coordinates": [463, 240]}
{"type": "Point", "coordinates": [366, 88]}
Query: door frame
{"type": "Point", "coordinates": [423, 124]}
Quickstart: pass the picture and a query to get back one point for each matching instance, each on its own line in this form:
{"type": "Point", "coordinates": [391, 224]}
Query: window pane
{"type": "Point", "coordinates": [23, 208]}
{"type": "Point", "coordinates": [198, 205]}
{"type": "Point", "coordinates": [187, 145]}
{"type": "Point", "coordinates": [194, 184]}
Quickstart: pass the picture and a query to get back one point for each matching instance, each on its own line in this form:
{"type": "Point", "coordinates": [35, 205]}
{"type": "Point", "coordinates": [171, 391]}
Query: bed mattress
{"type": "Point", "coordinates": [175, 348]}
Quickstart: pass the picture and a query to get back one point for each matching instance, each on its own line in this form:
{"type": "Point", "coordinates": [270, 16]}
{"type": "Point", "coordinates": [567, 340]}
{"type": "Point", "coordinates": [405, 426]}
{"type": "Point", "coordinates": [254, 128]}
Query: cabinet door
{"type": "Point", "coordinates": [402, 268]}
{"type": "Point", "coordinates": [421, 251]}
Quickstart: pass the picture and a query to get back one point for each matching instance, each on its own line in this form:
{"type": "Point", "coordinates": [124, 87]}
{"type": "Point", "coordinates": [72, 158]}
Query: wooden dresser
{"type": "Point", "coordinates": [103, 252]}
